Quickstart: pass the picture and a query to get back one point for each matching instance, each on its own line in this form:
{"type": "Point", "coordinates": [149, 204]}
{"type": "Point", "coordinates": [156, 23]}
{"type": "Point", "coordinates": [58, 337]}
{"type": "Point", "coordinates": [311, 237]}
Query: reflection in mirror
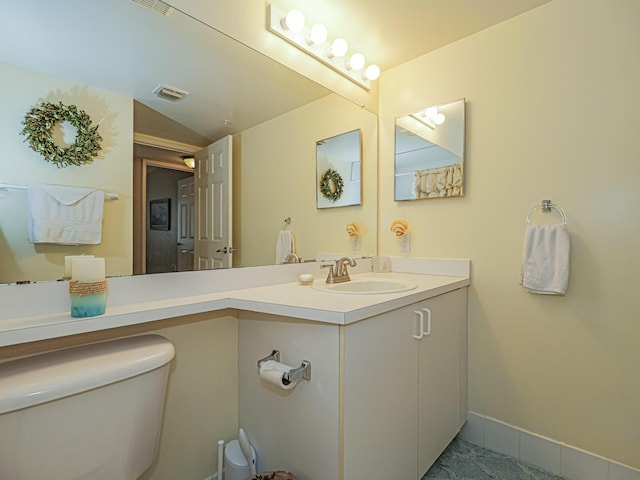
{"type": "Point", "coordinates": [338, 170]}
{"type": "Point", "coordinates": [126, 51]}
{"type": "Point", "coordinates": [162, 252]}
{"type": "Point", "coordinates": [429, 153]}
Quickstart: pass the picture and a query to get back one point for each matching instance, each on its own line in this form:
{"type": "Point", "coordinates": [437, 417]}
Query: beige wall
{"type": "Point", "coordinates": [202, 399]}
{"type": "Point", "coordinates": [552, 112]}
{"type": "Point", "coordinates": [276, 162]}
{"type": "Point", "coordinates": [111, 170]}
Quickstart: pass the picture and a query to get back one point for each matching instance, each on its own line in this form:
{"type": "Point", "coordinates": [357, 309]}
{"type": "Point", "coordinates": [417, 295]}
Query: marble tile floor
{"type": "Point", "coordinates": [465, 461]}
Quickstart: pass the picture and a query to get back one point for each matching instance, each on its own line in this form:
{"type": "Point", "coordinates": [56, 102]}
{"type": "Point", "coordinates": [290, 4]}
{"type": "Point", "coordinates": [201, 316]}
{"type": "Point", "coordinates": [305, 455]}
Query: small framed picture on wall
{"type": "Point", "coordinates": [160, 214]}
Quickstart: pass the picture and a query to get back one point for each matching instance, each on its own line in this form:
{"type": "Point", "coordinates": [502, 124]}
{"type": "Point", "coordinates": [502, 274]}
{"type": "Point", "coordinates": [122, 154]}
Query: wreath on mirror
{"type": "Point", "coordinates": [331, 185]}
{"type": "Point", "coordinates": [38, 128]}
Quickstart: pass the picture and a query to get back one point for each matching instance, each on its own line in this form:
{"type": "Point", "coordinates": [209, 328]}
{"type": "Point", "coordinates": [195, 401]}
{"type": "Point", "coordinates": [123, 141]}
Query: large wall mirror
{"type": "Point", "coordinates": [107, 58]}
{"type": "Point", "coordinates": [429, 152]}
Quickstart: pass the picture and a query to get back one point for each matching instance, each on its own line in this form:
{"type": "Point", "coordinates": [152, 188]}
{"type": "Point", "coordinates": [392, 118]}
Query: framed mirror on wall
{"type": "Point", "coordinates": [339, 170]}
{"type": "Point", "coordinates": [429, 152]}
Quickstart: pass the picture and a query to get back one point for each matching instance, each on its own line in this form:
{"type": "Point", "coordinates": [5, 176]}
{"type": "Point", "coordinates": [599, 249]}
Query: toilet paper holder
{"type": "Point", "coordinates": [303, 371]}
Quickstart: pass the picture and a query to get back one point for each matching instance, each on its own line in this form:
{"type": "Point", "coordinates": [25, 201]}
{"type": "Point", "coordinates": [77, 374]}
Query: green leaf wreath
{"type": "Point", "coordinates": [38, 127]}
{"type": "Point", "coordinates": [331, 185]}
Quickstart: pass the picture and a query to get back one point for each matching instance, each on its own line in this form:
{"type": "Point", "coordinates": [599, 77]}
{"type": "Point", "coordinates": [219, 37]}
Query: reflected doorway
{"type": "Point", "coordinates": [169, 247]}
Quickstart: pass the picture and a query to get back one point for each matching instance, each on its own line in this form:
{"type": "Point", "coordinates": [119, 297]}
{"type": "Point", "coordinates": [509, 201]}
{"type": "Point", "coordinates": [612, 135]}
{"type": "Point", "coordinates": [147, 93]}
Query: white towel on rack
{"type": "Point", "coordinates": [545, 261]}
{"type": "Point", "coordinates": [64, 215]}
{"type": "Point", "coordinates": [285, 245]}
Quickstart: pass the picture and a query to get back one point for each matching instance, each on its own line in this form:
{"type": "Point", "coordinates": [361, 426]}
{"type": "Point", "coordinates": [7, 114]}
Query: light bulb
{"type": "Point", "coordinates": [339, 48]}
{"type": "Point", "coordinates": [294, 21]}
{"type": "Point", "coordinates": [317, 34]}
{"type": "Point", "coordinates": [439, 119]}
{"type": "Point", "coordinates": [355, 62]}
{"type": "Point", "coordinates": [431, 112]}
{"type": "Point", "coordinates": [372, 72]}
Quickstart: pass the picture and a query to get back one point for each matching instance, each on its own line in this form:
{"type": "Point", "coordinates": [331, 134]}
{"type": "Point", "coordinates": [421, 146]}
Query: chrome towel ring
{"type": "Point", "coordinates": [546, 206]}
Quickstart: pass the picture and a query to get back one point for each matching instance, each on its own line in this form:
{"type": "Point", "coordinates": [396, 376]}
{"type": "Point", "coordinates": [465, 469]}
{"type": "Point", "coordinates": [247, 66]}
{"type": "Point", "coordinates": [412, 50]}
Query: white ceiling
{"type": "Point", "coordinates": [125, 48]}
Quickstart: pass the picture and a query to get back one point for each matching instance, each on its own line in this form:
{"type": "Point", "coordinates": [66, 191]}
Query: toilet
{"type": "Point", "coordinates": [88, 412]}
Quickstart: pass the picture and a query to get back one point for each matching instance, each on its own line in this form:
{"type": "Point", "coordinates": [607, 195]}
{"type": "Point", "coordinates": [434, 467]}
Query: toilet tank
{"type": "Point", "coordinates": [87, 412]}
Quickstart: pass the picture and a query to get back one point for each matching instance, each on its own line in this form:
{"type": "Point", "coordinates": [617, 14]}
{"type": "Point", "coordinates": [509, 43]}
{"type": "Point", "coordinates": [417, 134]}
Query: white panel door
{"type": "Point", "coordinates": [213, 244]}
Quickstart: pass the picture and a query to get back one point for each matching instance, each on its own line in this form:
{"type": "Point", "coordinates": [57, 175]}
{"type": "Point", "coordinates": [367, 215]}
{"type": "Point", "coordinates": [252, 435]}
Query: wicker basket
{"type": "Point", "coordinates": [279, 475]}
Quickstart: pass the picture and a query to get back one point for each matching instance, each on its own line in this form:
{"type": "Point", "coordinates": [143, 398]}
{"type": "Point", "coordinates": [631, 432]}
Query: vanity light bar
{"type": "Point", "coordinates": [328, 53]}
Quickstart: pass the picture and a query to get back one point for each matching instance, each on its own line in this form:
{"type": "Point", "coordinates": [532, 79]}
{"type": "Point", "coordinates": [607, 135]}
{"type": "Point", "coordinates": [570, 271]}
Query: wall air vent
{"type": "Point", "coordinates": [172, 94]}
{"type": "Point", "coordinates": [157, 6]}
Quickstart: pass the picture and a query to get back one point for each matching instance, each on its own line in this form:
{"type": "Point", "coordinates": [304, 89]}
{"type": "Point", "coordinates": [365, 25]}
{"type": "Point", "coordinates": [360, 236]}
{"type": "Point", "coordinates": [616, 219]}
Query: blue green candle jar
{"type": "Point", "coordinates": [88, 299]}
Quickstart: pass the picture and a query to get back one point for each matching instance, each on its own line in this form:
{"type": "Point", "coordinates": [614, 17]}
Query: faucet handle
{"type": "Point", "coordinates": [331, 275]}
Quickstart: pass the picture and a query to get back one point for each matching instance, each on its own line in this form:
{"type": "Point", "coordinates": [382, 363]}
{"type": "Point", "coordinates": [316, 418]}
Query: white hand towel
{"type": "Point", "coordinates": [545, 261]}
{"type": "Point", "coordinates": [284, 245]}
{"type": "Point", "coordinates": [64, 215]}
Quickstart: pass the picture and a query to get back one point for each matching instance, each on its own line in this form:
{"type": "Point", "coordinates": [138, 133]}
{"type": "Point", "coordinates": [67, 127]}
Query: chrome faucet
{"type": "Point", "coordinates": [292, 258]}
{"type": "Point", "coordinates": [340, 273]}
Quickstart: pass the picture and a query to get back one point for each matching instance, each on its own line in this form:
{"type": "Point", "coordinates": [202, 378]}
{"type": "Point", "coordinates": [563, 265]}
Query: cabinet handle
{"type": "Point", "coordinates": [428, 332]}
{"type": "Point", "coordinates": [420, 317]}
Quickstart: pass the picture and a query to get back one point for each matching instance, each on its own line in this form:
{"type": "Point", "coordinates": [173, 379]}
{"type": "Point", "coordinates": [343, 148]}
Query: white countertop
{"type": "Point", "coordinates": [285, 299]}
{"type": "Point", "coordinates": [302, 301]}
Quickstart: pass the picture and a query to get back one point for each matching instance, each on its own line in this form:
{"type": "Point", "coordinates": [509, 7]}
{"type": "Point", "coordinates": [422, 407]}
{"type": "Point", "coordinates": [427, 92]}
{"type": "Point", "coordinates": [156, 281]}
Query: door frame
{"type": "Point", "coordinates": [143, 201]}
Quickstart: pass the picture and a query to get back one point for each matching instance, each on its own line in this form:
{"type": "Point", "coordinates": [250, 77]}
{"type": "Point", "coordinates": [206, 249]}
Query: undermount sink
{"type": "Point", "coordinates": [366, 286]}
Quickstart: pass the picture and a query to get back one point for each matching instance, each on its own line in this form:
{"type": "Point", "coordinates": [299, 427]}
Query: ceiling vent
{"type": "Point", "coordinates": [172, 94]}
{"type": "Point", "coordinates": [157, 6]}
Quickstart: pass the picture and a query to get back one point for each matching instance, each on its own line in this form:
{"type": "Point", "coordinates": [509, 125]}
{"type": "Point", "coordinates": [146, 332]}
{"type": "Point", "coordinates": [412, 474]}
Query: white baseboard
{"type": "Point", "coordinates": [550, 455]}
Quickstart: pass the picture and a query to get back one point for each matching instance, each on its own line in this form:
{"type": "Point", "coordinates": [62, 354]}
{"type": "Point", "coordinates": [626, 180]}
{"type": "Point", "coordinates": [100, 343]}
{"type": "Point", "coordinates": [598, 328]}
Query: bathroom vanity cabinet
{"type": "Point", "coordinates": [404, 397]}
{"type": "Point", "coordinates": [381, 403]}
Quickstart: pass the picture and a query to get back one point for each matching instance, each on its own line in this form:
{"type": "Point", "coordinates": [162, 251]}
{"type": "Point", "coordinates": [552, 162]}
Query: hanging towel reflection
{"type": "Point", "coordinates": [64, 215]}
{"type": "Point", "coordinates": [285, 244]}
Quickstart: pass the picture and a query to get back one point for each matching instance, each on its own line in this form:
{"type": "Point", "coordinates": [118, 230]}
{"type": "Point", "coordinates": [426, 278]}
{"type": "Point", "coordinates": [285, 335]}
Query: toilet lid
{"type": "Point", "coordinates": [30, 381]}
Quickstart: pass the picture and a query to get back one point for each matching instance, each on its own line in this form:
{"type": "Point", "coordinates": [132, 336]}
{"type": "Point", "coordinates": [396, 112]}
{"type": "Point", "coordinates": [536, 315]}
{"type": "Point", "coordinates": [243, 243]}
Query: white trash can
{"type": "Point", "coordinates": [236, 466]}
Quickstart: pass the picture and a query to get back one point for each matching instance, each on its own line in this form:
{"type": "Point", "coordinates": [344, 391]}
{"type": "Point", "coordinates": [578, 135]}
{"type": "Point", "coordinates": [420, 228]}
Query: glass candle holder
{"type": "Point", "coordinates": [88, 299]}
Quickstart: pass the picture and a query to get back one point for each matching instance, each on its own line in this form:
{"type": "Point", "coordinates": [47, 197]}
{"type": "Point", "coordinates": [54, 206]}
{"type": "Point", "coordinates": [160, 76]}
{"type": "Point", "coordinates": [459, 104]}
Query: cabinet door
{"type": "Point", "coordinates": [380, 397]}
{"type": "Point", "coordinates": [441, 375]}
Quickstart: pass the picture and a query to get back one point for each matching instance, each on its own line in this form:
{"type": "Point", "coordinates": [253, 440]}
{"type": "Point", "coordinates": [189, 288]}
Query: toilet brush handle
{"type": "Point", "coordinates": [245, 446]}
{"type": "Point", "coordinates": [220, 458]}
